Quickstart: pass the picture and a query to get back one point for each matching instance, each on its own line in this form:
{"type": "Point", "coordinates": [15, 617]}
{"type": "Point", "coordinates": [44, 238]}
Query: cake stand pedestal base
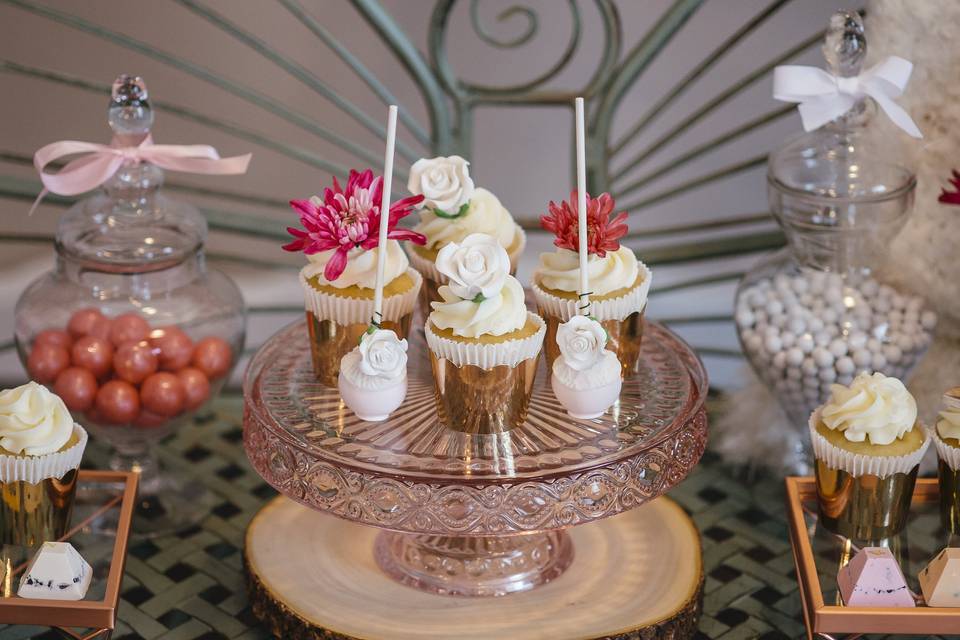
{"type": "Point", "coordinates": [635, 575]}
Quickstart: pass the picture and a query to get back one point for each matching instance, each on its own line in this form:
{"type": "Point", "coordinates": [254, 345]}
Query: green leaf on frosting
{"type": "Point", "coordinates": [440, 213]}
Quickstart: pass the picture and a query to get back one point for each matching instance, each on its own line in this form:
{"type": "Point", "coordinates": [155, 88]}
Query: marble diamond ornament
{"type": "Point", "coordinates": [873, 579]}
{"type": "Point", "coordinates": [57, 572]}
{"type": "Point", "coordinates": [940, 580]}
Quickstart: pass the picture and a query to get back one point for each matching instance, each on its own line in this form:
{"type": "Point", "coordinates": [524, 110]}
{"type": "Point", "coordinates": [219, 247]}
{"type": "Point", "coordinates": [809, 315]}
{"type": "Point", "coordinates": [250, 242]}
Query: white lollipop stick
{"type": "Point", "coordinates": [584, 306]}
{"type": "Point", "coordinates": [384, 215]}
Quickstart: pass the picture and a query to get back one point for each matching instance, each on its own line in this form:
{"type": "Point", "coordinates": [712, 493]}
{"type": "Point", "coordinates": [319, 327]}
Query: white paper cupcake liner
{"type": "Point", "coordinates": [950, 455]}
{"type": "Point", "coordinates": [345, 310]}
{"type": "Point", "coordinates": [612, 309]}
{"type": "Point", "coordinates": [429, 269]}
{"type": "Point", "coordinates": [34, 469]}
{"type": "Point", "coordinates": [858, 464]}
{"type": "Point", "coordinates": [488, 355]}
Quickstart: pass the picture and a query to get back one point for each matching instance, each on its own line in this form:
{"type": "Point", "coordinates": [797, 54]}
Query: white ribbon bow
{"type": "Point", "coordinates": [824, 97]}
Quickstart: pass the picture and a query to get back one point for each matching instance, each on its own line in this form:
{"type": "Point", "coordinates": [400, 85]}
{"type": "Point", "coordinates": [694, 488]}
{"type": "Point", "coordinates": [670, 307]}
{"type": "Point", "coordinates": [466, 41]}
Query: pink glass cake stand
{"type": "Point", "coordinates": [471, 515]}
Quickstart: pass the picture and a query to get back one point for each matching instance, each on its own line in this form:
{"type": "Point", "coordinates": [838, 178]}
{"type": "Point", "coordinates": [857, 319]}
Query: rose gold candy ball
{"type": "Point", "coordinates": [128, 327]}
{"type": "Point", "coordinates": [54, 337]}
{"type": "Point", "coordinates": [212, 356]}
{"type": "Point", "coordinates": [163, 394]}
{"type": "Point", "coordinates": [175, 347]}
{"type": "Point", "coordinates": [149, 420]}
{"type": "Point", "coordinates": [196, 386]}
{"type": "Point", "coordinates": [134, 361]}
{"type": "Point", "coordinates": [88, 322]}
{"type": "Point", "coordinates": [94, 354]}
{"type": "Point", "coordinates": [77, 387]}
{"type": "Point", "coordinates": [117, 402]}
{"type": "Point", "coordinates": [46, 361]}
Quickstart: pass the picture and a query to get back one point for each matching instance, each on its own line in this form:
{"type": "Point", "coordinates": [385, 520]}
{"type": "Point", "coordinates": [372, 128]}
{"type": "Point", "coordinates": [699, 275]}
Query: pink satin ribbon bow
{"type": "Point", "coordinates": [99, 162]}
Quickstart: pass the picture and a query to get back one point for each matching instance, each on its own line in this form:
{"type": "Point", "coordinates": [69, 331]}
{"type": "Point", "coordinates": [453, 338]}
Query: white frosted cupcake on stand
{"type": "Point", "coordinates": [454, 208]}
{"type": "Point", "coordinates": [484, 344]}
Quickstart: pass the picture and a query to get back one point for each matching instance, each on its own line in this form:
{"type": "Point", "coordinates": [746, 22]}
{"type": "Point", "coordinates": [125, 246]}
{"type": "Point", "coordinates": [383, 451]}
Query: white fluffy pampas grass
{"type": "Point", "coordinates": [926, 256]}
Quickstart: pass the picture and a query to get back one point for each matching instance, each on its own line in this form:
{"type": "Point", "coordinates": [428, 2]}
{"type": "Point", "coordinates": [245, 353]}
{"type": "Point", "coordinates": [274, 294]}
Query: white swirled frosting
{"type": "Point", "coordinates": [560, 270]}
{"type": "Point", "coordinates": [361, 269]}
{"type": "Point", "coordinates": [33, 420]}
{"type": "Point", "coordinates": [484, 215]}
{"type": "Point", "coordinates": [948, 426]}
{"type": "Point", "coordinates": [495, 316]}
{"type": "Point", "coordinates": [873, 406]}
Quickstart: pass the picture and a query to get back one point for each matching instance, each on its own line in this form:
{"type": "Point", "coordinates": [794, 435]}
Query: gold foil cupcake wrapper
{"type": "Point", "coordinates": [349, 311]}
{"type": "Point", "coordinates": [429, 269]}
{"type": "Point", "coordinates": [634, 301]}
{"type": "Point", "coordinates": [488, 355]}
{"type": "Point", "coordinates": [858, 464]}
{"type": "Point", "coordinates": [950, 456]}
{"type": "Point", "coordinates": [35, 469]}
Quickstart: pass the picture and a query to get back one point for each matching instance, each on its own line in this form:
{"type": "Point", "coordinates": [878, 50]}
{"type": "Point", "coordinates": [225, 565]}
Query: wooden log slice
{"type": "Point", "coordinates": [635, 576]}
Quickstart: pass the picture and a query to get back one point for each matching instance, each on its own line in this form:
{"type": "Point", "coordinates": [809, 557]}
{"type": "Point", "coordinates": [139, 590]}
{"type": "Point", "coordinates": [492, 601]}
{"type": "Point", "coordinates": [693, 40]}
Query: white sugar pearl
{"type": "Point", "coordinates": [796, 325]}
{"type": "Point", "coordinates": [800, 285]}
{"type": "Point", "coordinates": [774, 307]}
{"type": "Point", "coordinates": [772, 343]}
{"type": "Point", "coordinates": [829, 316]}
{"type": "Point", "coordinates": [754, 343]}
{"type": "Point", "coordinates": [795, 357]}
{"type": "Point", "coordinates": [778, 320]}
{"type": "Point", "coordinates": [845, 378]}
{"type": "Point", "coordinates": [881, 304]}
{"type": "Point", "coordinates": [780, 360]}
{"type": "Point", "coordinates": [770, 332]}
{"type": "Point", "coordinates": [828, 375]}
{"type": "Point", "coordinates": [886, 291]}
{"type": "Point", "coordinates": [874, 345]}
{"type": "Point", "coordinates": [814, 325]}
{"type": "Point", "coordinates": [906, 343]}
{"type": "Point", "coordinates": [805, 342]}
{"type": "Point", "coordinates": [745, 318]}
{"type": "Point", "coordinates": [760, 316]}
{"type": "Point", "coordinates": [812, 382]}
{"type": "Point", "coordinates": [857, 340]}
{"type": "Point", "coordinates": [928, 319]}
{"type": "Point", "coordinates": [869, 287]}
{"type": "Point", "coordinates": [822, 357]}
{"type": "Point", "coordinates": [832, 330]}
{"type": "Point", "coordinates": [838, 348]}
{"type": "Point", "coordinates": [861, 358]}
{"type": "Point", "coordinates": [787, 339]}
{"type": "Point", "coordinates": [892, 353]}
{"type": "Point", "coordinates": [878, 362]}
{"type": "Point", "coordinates": [899, 302]}
{"type": "Point", "coordinates": [822, 338]}
{"type": "Point", "coordinates": [806, 299]}
{"type": "Point", "coordinates": [845, 366]}
{"type": "Point", "coordinates": [794, 374]}
{"type": "Point", "coordinates": [809, 367]}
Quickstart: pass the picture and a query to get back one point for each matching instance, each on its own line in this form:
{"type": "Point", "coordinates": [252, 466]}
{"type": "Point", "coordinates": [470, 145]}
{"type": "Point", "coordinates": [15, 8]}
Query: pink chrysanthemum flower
{"type": "Point", "coordinates": [348, 218]}
{"type": "Point", "coordinates": [603, 234]}
{"type": "Point", "coordinates": [951, 197]}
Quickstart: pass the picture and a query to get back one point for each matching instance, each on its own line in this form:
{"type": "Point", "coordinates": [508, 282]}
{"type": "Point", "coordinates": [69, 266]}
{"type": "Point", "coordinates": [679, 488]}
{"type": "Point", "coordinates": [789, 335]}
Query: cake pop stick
{"type": "Point", "coordinates": [584, 292]}
{"type": "Point", "coordinates": [373, 376]}
{"type": "Point", "coordinates": [586, 376]}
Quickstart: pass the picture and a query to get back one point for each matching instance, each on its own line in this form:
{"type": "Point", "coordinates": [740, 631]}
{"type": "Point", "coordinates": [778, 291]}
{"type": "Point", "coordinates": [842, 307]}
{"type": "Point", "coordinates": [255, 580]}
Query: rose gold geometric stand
{"type": "Point", "coordinates": [636, 575]}
{"type": "Point", "coordinates": [461, 514]}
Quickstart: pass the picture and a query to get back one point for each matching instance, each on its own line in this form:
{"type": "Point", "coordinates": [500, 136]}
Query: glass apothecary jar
{"type": "Point", "coordinates": [819, 311]}
{"type": "Point", "coordinates": [132, 328]}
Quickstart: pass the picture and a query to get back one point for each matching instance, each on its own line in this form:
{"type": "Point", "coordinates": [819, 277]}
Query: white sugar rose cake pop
{"type": "Point", "coordinates": [619, 283]}
{"type": "Point", "coordinates": [484, 344]}
{"type": "Point", "coordinates": [373, 377]}
{"type": "Point", "coordinates": [586, 376]}
{"type": "Point", "coordinates": [453, 208]}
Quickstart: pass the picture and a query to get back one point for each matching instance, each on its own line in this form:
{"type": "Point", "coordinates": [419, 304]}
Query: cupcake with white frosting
{"type": "Point", "coordinates": [946, 438]}
{"type": "Point", "coordinates": [452, 209]}
{"type": "Point", "coordinates": [868, 444]}
{"type": "Point", "coordinates": [339, 237]}
{"type": "Point", "coordinates": [40, 451]}
{"type": "Point", "coordinates": [619, 283]}
{"type": "Point", "coordinates": [484, 344]}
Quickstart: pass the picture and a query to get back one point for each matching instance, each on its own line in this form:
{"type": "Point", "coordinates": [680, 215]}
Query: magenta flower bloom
{"type": "Point", "coordinates": [347, 219]}
{"type": "Point", "coordinates": [951, 197]}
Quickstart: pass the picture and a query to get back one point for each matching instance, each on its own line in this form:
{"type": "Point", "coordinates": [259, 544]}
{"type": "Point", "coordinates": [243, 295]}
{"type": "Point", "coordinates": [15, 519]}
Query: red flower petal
{"type": "Point", "coordinates": [336, 264]}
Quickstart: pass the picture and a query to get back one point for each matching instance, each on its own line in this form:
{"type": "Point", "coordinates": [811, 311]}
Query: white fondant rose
{"type": "Point", "coordinates": [383, 354]}
{"type": "Point", "coordinates": [476, 266]}
{"type": "Point", "coordinates": [444, 182]}
{"type": "Point", "coordinates": [582, 341]}
{"type": "Point", "coordinates": [33, 420]}
{"type": "Point", "coordinates": [873, 406]}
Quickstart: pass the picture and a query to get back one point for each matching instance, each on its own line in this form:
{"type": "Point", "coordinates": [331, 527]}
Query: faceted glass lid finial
{"type": "Point", "coordinates": [845, 46]}
{"type": "Point", "coordinates": [129, 112]}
